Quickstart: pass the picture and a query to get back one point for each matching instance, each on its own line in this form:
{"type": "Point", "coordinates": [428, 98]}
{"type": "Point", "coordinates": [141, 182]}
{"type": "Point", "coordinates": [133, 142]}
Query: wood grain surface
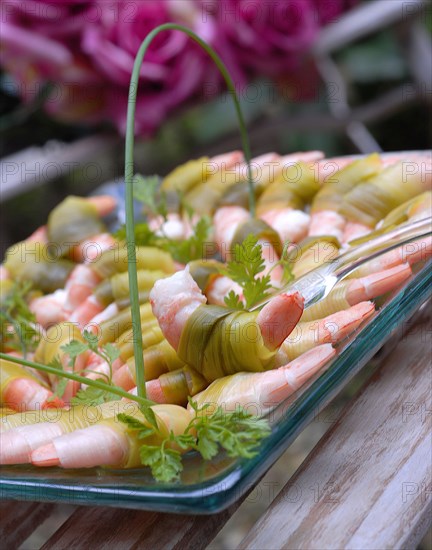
{"type": "Point", "coordinates": [367, 484]}
{"type": "Point", "coordinates": [113, 529]}
{"type": "Point", "coordinates": [18, 520]}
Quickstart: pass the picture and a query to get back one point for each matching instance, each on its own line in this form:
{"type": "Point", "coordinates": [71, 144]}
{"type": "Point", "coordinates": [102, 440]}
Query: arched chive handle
{"type": "Point", "coordinates": [129, 174]}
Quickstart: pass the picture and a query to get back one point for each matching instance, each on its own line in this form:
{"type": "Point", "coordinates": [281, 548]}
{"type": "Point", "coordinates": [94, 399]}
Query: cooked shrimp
{"type": "Point", "coordinates": [90, 249]}
{"type": "Point", "coordinates": [412, 253]}
{"type": "Point", "coordinates": [50, 309]}
{"type": "Point", "coordinates": [174, 227]}
{"type": "Point", "coordinates": [352, 291]}
{"type": "Point", "coordinates": [79, 286]}
{"type": "Point", "coordinates": [17, 444]}
{"type": "Point", "coordinates": [85, 312]}
{"type": "Point", "coordinates": [109, 443]}
{"type": "Point", "coordinates": [104, 204]}
{"type": "Point", "coordinates": [205, 336]}
{"type": "Point", "coordinates": [219, 288]}
{"type": "Point", "coordinates": [229, 220]}
{"type": "Point", "coordinates": [332, 329]}
{"type": "Point", "coordinates": [263, 391]}
{"type": "Point", "coordinates": [40, 235]}
{"type": "Point", "coordinates": [327, 222]}
{"type": "Point", "coordinates": [21, 391]}
{"type": "Point", "coordinates": [173, 300]}
{"type": "Point", "coordinates": [291, 225]}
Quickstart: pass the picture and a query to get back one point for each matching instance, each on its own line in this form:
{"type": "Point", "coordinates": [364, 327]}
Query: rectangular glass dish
{"type": "Point", "coordinates": [209, 487]}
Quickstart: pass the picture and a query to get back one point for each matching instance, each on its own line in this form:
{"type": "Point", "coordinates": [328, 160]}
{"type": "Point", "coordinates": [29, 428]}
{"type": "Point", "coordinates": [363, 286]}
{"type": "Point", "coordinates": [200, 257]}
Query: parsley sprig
{"type": "Point", "coordinates": [238, 433]}
{"type": "Point", "coordinates": [245, 267]}
{"type": "Point", "coordinates": [74, 348]}
{"type": "Point", "coordinates": [183, 251]}
{"type": "Point", "coordinates": [146, 190]}
{"type": "Point", "coordinates": [18, 323]}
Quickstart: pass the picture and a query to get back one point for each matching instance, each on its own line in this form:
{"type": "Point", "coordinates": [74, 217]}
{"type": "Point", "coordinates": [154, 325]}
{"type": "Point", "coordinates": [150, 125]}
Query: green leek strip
{"type": "Point", "coordinates": [88, 381]}
{"type": "Point", "coordinates": [129, 174]}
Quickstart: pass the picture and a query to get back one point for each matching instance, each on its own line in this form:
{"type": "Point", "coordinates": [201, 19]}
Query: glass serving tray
{"type": "Point", "coordinates": [209, 487]}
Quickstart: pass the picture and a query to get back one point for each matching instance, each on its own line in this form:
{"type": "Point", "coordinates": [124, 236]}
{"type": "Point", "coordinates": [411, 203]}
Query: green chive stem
{"type": "Point", "coordinates": [71, 376]}
{"type": "Point", "coordinates": [129, 174]}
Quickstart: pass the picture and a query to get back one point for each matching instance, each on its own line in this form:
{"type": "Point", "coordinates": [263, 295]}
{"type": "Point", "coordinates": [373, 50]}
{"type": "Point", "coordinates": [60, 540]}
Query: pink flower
{"type": "Point", "coordinates": [175, 68]}
{"type": "Point", "coordinates": [40, 44]}
{"type": "Point", "coordinates": [271, 37]}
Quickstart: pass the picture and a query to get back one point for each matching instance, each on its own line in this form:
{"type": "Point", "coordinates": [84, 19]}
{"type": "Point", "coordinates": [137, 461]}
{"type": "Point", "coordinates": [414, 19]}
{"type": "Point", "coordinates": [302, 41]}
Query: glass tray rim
{"type": "Point", "coordinates": [216, 494]}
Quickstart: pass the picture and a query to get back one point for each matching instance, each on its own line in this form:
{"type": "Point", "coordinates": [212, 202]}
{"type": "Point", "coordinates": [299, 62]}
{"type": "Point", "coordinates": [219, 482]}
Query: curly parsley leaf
{"type": "Point", "coordinates": [165, 464]}
{"type": "Point", "coordinates": [244, 269]}
{"type": "Point", "coordinates": [111, 352]}
{"type": "Point", "coordinates": [192, 248]}
{"type": "Point", "coordinates": [74, 348]}
{"type": "Point", "coordinates": [233, 300]}
{"type": "Point", "coordinates": [146, 191]}
{"type": "Point", "coordinates": [61, 382]}
{"type": "Point", "coordinates": [108, 353]}
{"type": "Point", "coordinates": [93, 396]}
{"type": "Point", "coordinates": [18, 323]}
{"type": "Point", "coordinates": [238, 433]}
{"type": "Point", "coordinates": [144, 236]}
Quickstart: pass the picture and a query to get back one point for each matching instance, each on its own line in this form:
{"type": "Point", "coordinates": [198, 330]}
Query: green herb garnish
{"type": "Point", "coordinates": [238, 433]}
{"type": "Point", "coordinates": [49, 369]}
{"type": "Point", "coordinates": [108, 353]}
{"type": "Point", "coordinates": [244, 269]}
{"type": "Point", "coordinates": [18, 323]}
{"type": "Point", "coordinates": [146, 191]}
{"type": "Point", "coordinates": [193, 247]}
{"type": "Point", "coordinates": [144, 236]}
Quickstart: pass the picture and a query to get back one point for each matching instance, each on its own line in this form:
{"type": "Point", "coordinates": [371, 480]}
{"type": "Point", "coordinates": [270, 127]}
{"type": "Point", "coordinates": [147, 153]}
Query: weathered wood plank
{"type": "Point", "coordinates": [18, 520]}
{"type": "Point", "coordinates": [367, 484]}
{"type": "Point", "coordinates": [115, 529]}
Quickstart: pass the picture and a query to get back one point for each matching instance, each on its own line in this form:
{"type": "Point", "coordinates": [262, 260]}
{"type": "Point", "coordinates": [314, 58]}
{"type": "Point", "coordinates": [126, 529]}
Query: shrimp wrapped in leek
{"type": "Point", "coordinates": [216, 341]}
{"type": "Point", "coordinates": [352, 291]}
{"type": "Point", "coordinates": [21, 391]}
{"type": "Point", "coordinates": [110, 442]}
{"type": "Point", "coordinates": [40, 428]}
{"type": "Point", "coordinates": [261, 392]}
{"type": "Point", "coordinates": [326, 218]}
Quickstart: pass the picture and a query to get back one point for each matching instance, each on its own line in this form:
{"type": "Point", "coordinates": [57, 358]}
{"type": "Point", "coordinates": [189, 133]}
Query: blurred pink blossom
{"type": "Point", "coordinates": [86, 50]}
{"type": "Point", "coordinates": [269, 37]}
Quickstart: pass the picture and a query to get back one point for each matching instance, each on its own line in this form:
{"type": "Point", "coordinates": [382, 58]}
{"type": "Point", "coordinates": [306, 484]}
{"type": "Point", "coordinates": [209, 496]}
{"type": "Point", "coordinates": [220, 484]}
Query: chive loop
{"type": "Point", "coordinates": [129, 175]}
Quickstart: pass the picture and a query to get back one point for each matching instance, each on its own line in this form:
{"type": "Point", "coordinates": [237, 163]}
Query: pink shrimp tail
{"type": "Point", "coordinates": [334, 328]}
{"type": "Point", "coordinates": [371, 286]}
{"type": "Point", "coordinates": [301, 370]}
{"type": "Point", "coordinates": [24, 394]}
{"type": "Point", "coordinates": [86, 311]}
{"type": "Point", "coordinates": [104, 204]}
{"type": "Point", "coordinates": [278, 318]}
{"type": "Point", "coordinates": [40, 235]}
{"type": "Point", "coordinates": [123, 378]}
{"type": "Point", "coordinates": [154, 391]}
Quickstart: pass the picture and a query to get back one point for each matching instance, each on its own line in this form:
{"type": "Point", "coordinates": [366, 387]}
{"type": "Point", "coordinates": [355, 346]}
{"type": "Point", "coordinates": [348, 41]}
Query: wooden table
{"type": "Point", "coordinates": [366, 485]}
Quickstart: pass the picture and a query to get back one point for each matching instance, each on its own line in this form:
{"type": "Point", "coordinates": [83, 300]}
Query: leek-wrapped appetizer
{"type": "Point", "coordinates": [21, 391]}
{"type": "Point", "coordinates": [217, 341]}
{"type": "Point", "coordinates": [50, 348]}
{"type": "Point", "coordinates": [110, 442]}
{"type": "Point", "coordinates": [28, 431]}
